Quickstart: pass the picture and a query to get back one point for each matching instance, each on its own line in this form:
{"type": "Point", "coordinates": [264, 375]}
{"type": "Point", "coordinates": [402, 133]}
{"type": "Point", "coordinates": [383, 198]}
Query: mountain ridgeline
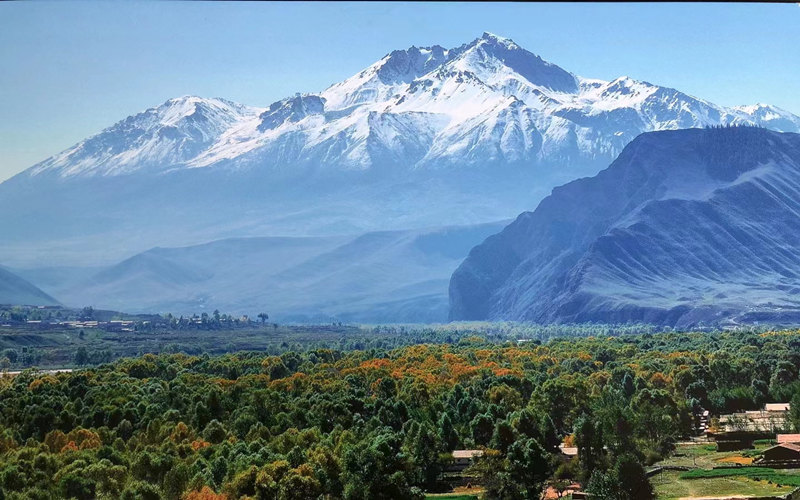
{"type": "Point", "coordinates": [424, 137]}
{"type": "Point", "coordinates": [685, 227]}
{"type": "Point", "coordinates": [359, 202]}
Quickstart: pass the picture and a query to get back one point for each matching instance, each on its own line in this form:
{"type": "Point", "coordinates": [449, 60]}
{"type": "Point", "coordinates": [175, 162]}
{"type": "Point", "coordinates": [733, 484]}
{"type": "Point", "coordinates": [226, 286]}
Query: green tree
{"type": "Point", "coordinates": [794, 412]}
{"type": "Point", "coordinates": [175, 481]}
{"type": "Point", "coordinates": [75, 486]}
{"type": "Point", "coordinates": [589, 441]}
{"type": "Point", "coordinates": [627, 480]}
{"type": "Point", "coordinates": [447, 433]}
{"type": "Point", "coordinates": [482, 429]}
{"type": "Point", "coordinates": [81, 356]}
{"type": "Point", "coordinates": [215, 432]}
{"type": "Point", "coordinates": [141, 490]}
{"type": "Point", "coordinates": [503, 436]}
{"type": "Point", "coordinates": [423, 448]}
{"type": "Point", "coordinates": [377, 469]}
{"type": "Point", "coordinates": [529, 467]}
{"type": "Point", "coordinates": [11, 354]}
{"type": "Point", "coordinates": [86, 314]}
{"type": "Point", "coordinates": [633, 478]}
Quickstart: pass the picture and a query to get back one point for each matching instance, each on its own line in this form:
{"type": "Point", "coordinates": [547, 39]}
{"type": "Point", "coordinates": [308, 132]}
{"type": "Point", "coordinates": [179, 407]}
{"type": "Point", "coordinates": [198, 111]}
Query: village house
{"type": "Point", "coordinates": [567, 452]}
{"type": "Point", "coordinates": [772, 418]}
{"type": "Point", "coordinates": [782, 455]}
{"type": "Point", "coordinates": [780, 407]}
{"type": "Point", "coordinates": [463, 459]}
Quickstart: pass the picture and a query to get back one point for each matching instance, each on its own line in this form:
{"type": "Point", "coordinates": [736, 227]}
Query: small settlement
{"type": "Point", "coordinates": [457, 473]}
{"type": "Point", "coordinates": [738, 431]}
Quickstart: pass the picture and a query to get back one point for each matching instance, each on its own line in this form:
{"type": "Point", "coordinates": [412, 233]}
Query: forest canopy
{"type": "Point", "coordinates": [379, 422]}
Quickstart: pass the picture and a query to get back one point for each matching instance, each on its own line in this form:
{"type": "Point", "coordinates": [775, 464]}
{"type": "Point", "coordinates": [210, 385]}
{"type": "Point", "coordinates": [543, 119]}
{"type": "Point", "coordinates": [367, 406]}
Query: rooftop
{"type": "Point", "coordinates": [788, 446]}
{"type": "Point", "coordinates": [787, 438]}
{"type": "Point", "coordinates": [777, 407]}
{"type": "Point", "coordinates": [570, 451]}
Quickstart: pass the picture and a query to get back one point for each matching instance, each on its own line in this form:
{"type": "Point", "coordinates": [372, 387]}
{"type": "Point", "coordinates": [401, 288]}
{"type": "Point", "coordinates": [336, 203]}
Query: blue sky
{"type": "Point", "coordinates": [67, 69]}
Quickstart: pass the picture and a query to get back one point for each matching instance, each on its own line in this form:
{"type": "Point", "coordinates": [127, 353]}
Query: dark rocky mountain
{"type": "Point", "coordinates": [685, 227]}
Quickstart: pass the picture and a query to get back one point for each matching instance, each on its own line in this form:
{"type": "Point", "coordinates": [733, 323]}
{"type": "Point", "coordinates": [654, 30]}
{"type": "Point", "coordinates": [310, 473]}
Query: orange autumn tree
{"type": "Point", "coordinates": [205, 493]}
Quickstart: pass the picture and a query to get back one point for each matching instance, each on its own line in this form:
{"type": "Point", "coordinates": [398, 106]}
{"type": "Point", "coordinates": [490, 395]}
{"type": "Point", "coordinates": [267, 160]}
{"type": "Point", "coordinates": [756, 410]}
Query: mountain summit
{"type": "Point", "coordinates": [486, 102]}
{"type": "Point", "coordinates": [424, 137]}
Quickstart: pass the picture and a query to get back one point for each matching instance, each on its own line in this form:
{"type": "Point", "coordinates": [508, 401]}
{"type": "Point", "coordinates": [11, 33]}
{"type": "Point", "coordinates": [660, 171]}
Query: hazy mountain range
{"type": "Point", "coordinates": [379, 276]}
{"type": "Point", "coordinates": [16, 290]}
{"type": "Point", "coordinates": [423, 138]}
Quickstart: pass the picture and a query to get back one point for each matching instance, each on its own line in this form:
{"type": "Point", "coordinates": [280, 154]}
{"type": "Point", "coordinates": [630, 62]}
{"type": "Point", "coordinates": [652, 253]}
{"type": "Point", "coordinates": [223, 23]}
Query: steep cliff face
{"type": "Point", "coordinates": [684, 227]}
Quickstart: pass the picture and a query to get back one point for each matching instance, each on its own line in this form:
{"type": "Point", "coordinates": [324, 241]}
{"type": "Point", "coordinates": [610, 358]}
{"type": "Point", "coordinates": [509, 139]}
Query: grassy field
{"type": "Point", "coordinates": [669, 485]}
{"type": "Point", "coordinates": [708, 482]}
{"type": "Point", "coordinates": [460, 493]}
{"type": "Point", "coordinates": [706, 456]}
{"type": "Point", "coordinates": [773, 476]}
{"type": "Point", "coordinates": [453, 496]}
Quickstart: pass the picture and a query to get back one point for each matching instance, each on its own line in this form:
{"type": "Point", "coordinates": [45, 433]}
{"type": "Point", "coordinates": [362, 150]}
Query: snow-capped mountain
{"type": "Point", "coordinates": [685, 227]}
{"type": "Point", "coordinates": [423, 137]}
{"type": "Point", "coordinates": [155, 140]}
{"type": "Point", "coordinates": [485, 103]}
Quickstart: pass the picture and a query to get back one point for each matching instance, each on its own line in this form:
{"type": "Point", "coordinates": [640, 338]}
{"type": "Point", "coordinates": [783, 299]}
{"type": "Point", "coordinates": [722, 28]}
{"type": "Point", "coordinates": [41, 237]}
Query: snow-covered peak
{"type": "Point", "coordinates": [489, 60]}
{"type": "Point", "coordinates": [485, 102]}
{"type": "Point", "coordinates": [385, 78]}
{"type": "Point", "coordinates": [754, 108]}
{"type": "Point", "coordinates": [216, 112]}
{"type": "Point", "coordinates": [597, 95]}
{"type": "Point", "coordinates": [496, 61]}
{"type": "Point", "coordinates": [403, 66]}
{"type": "Point", "coordinates": [769, 116]}
{"type": "Point", "coordinates": [491, 38]}
{"type": "Point", "coordinates": [292, 110]}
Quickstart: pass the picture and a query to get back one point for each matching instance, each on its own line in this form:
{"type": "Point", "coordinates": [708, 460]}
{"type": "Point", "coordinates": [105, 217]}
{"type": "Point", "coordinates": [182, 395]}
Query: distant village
{"type": "Point", "coordinates": [57, 317]}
